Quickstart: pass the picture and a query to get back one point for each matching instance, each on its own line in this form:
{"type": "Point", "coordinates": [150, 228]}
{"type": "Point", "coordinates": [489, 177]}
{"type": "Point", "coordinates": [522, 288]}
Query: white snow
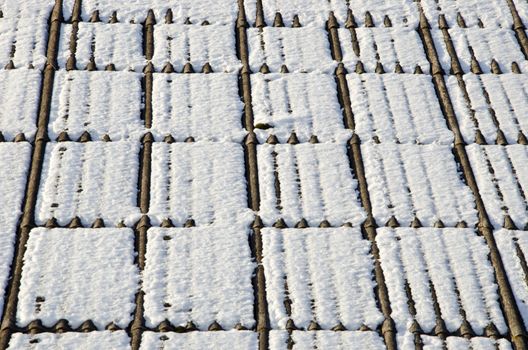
{"type": "Point", "coordinates": [218, 12]}
{"type": "Point", "coordinates": [180, 43]}
{"type": "Point", "coordinates": [203, 181]}
{"type": "Point", "coordinates": [198, 275]}
{"type": "Point", "coordinates": [328, 272]}
{"type": "Point", "coordinates": [507, 94]}
{"type": "Point", "coordinates": [492, 13]}
{"type": "Point", "coordinates": [413, 180]}
{"type": "Point", "coordinates": [108, 340]}
{"type": "Point", "coordinates": [385, 106]}
{"type": "Point", "coordinates": [300, 49]}
{"type": "Point", "coordinates": [402, 13]}
{"type": "Point", "coordinates": [14, 160]}
{"type": "Point", "coordinates": [486, 43]}
{"type": "Point", "coordinates": [19, 101]}
{"type": "Point", "coordinates": [304, 340]}
{"type": "Point", "coordinates": [522, 9]}
{"type": "Point", "coordinates": [98, 102]}
{"type": "Point", "coordinates": [228, 340]}
{"type": "Point", "coordinates": [78, 275]}
{"type": "Point", "coordinates": [502, 179]}
{"type": "Point", "coordinates": [315, 183]}
{"type": "Point", "coordinates": [27, 9]}
{"type": "Point", "coordinates": [458, 343]}
{"type": "Point", "coordinates": [303, 103]}
{"type": "Point", "coordinates": [455, 262]}
{"type": "Point", "coordinates": [117, 43]}
{"type": "Point", "coordinates": [388, 46]}
{"type": "Point", "coordinates": [511, 244]}
{"type": "Point", "coordinates": [89, 180]}
{"type": "Point", "coordinates": [204, 106]}
{"type": "Point", "coordinates": [24, 41]}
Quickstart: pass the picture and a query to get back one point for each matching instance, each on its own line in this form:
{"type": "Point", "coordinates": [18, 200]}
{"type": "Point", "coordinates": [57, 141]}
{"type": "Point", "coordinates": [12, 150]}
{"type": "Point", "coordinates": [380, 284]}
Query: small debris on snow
{"type": "Point", "coordinates": [313, 340]}
{"type": "Point", "coordinates": [228, 340]}
{"type": "Point", "coordinates": [117, 340]}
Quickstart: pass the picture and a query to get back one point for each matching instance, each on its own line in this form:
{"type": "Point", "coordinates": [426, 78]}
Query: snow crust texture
{"type": "Point", "coordinates": [202, 106]}
{"type": "Point", "coordinates": [78, 275]}
{"type": "Point", "coordinates": [386, 109]}
{"type": "Point", "coordinates": [459, 343]}
{"type": "Point", "coordinates": [413, 181]}
{"type": "Point", "coordinates": [94, 180]}
{"type": "Point", "coordinates": [445, 266]}
{"type": "Point", "coordinates": [502, 179]}
{"type": "Point", "coordinates": [199, 275]}
{"type": "Point", "coordinates": [325, 274]}
{"type": "Point", "coordinates": [306, 104]}
{"type": "Point", "coordinates": [117, 340]}
{"type": "Point", "coordinates": [228, 340]}
{"type": "Point", "coordinates": [307, 181]}
{"type": "Point", "coordinates": [326, 340]}
{"type": "Point", "coordinates": [100, 103]}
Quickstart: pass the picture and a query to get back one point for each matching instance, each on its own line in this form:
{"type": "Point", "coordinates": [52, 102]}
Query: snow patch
{"type": "Point", "coordinates": [117, 340]}
{"type": "Point", "coordinates": [228, 340]}
{"type": "Point", "coordinates": [458, 343]}
{"type": "Point", "coordinates": [23, 41]}
{"type": "Point", "coordinates": [303, 340]}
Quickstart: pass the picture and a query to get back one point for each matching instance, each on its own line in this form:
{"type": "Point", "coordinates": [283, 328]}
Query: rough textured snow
{"type": "Point", "coordinates": [19, 101]}
{"type": "Point", "coordinates": [180, 44]}
{"type": "Point", "coordinates": [326, 273]}
{"type": "Point", "coordinates": [386, 109]}
{"type": "Point", "coordinates": [197, 11]}
{"type": "Point", "coordinates": [21, 9]}
{"type": "Point", "coordinates": [71, 341]}
{"type": "Point", "coordinates": [512, 246]}
{"type": "Point", "coordinates": [98, 102]}
{"type": "Point", "coordinates": [78, 275]}
{"type": "Point", "coordinates": [119, 43]}
{"type": "Point", "coordinates": [407, 181]}
{"type": "Point", "coordinates": [455, 262]}
{"type": "Point", "coordinates": [326, 340]}
{"type": "Point", "coordinates": [486, 43]}
{"type": "Point", "coordinates": [203, 181]}
{"type": "Point", "coordinates": [387, 46]}
{"type": "Point", "coordinates": [204, 106]}
{"type": "Point", "coordinates": [491, 13]}
{"type": "Point", "coordinates": [307, 181]}
{"type": "Point", "coordinates": [228, 340]}
{"type": "Point", "coordinates": [198, 275]}
{"type": "Point", "coordinates": [300, 49]}
{"type": "Point", "coordinates": [502, 179]}
{"type": "Point", "coordinates": [459, 343]}
{"type": "Point", "coordinates": [23, 41]}
{"type": "Point", "coordinates": [306, 104]}
{"type": "Point", "coordinates": [89, 180]}
{"type": "Point", "coordinates": [14, 160]}
{"type": "Point", "coordinates": [401, 13]}
{"type": "Point", "coordinates": [497, 102]}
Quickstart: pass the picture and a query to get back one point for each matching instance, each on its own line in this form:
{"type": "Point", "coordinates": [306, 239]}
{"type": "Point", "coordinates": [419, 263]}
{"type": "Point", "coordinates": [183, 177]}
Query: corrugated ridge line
{"type": "Point", "coordinates": [250, 150]}
{"type": "Point", "coordinates": [8, 324]}
{"type": "Point", "coordinates": [511, 312]}
{"type": "Point", "coordinates": [388, 330]}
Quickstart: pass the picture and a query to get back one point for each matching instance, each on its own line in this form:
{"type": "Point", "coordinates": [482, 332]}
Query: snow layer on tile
{"type": "Point", "coordinates": [512, 246]}
{"type": "Point", "coordinates": [303, 103]}
{"type": "Point", "coordinates": [78, 275]}
{"type": "Point", "coordinates": [403, 13]}
{"type": "Point", "coordinates": [500, 97]}
{"type": "Point", "coordinates": [486, 43]}
{"type": "Point", "coordinates": [385, 107]}
{"type": "Point", "coordinates": [197, 44]}
{"type": "Point", "coordinates": [14, 159]}
{"type": "Point", "coordinates": [522, 9]}
{"type": "Point", "coordinates": [23, 41]}
{"type": "Point", "coordinates": [204, 106]}
{"type": "Point", "coordinates": [117, 43]}
{"type": "Point", "coordinates": [328, 273]}
{"type": "Point", "coordinates": [19, 101]}
{"type": "Point", "coordinates": [307, 340]}
{"type": "Point", "coordinates": [197, 11]}
{"type": "Point", "coordinates": [310, 181]}
{"type": "Point", "coordinates": [300, 49]}
{"type": "Point", "coordinates": [198, 275]}
{"type": "Point", "coordinates": [98, 102]}
{"type": "Point", "coordinates": [455, 262]}
{"type": "Point", "coordinates": [407, 181]}
{"type": "Point", "coordinates": [227, 340]}
{"type": "Point", "coordinates": [388, 46]}
{"type": "Point", "coordinates": [203, 181]}
{"type": "Point", "coordinates": [492, 13]}
{"type": "Point", "coordinates": [89, 180]}
{"type": "Point", "coordinates": [28, 9]}
{"type": "Point", "coordinates": [458, 343]}
{"type": "Point", "coordinates": [502, 179]}
{"type": "Point", "coordinates": [108, 340]}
